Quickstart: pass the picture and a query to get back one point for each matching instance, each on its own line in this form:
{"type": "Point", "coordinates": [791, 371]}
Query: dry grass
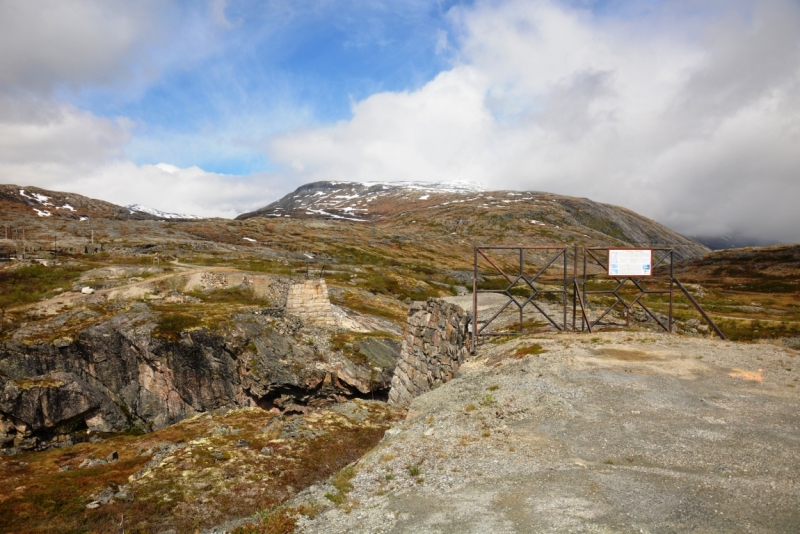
{"type": "Point", "coordinates": [213, 478]}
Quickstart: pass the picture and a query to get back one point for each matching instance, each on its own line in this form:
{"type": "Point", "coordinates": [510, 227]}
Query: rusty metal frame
{"type": "Point", "coordinates": [512, 281]}
{"type": "Point", "coordinates": [621, 280]}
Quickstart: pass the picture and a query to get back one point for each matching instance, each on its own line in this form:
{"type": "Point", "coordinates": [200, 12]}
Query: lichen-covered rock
{"type": "Point", "coordinates": [121, 367]}
{"type": "Point", "coordinates": [46, 403]}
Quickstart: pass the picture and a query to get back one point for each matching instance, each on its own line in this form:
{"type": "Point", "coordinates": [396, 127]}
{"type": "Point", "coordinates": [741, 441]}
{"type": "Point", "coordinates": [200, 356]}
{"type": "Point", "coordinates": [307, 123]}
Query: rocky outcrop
{"type": "Point", "coordinates": [434, 345]}
{"type": "Point", "coordinates": [123, 372]}
{"type": "Point", "coordinates": [53, 404]}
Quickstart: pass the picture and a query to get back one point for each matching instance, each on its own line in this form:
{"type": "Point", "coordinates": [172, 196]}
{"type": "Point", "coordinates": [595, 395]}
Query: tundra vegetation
{"type": "Point", "coordinates": [218, 466]}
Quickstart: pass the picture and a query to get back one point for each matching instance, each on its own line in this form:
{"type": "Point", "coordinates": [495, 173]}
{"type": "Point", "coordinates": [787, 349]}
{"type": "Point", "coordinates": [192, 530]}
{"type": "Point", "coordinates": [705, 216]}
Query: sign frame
{"type": "Point", "coordinates": [649, 266]}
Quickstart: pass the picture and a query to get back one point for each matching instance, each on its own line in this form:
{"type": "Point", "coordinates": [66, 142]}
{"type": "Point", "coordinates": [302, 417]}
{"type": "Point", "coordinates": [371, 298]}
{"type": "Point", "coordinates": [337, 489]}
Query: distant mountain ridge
{"type": "Point", "coordinates": [482, 215]}
{"type": "Point", "coordinates": [353, 200]}
{"type": "Point", "coordinates": [422, 210]}
{"type": "Point", "coordinates": [44, 203]}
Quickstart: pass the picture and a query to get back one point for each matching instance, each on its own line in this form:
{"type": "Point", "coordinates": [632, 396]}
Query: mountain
{"type": "Point", "coordinates": [466, 210]}
{"type": "Point", "coordinates": [37, 202]}
{"type": "Point", "coordinates": [160, 214]}
{"type": "Point", "coordinates": [720, 242]}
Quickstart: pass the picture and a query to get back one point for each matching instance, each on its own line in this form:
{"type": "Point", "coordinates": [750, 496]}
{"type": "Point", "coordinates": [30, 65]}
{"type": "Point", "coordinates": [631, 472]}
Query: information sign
{"type": "Point", "coordinates": [630, 262]}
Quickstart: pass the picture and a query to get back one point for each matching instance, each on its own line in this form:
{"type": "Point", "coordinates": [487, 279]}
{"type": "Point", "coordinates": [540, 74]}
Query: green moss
{"type": "Point", "coordinates": [277, 521]}
{"type": "Point", "coordinates": [170, 325]}
{"type": "Point", "coordinates": [342, 481]}
{"type": "Point", "coordinates": [31, 283]}
{"type": "Point", "coordinates": [230, 295]}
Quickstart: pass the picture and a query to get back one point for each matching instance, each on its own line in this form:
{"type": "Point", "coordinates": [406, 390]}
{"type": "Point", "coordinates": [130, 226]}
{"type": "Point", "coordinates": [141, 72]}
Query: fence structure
{"type": "Point", "coordinates": [519, 282]}
{"type": "Point", "coordinates": [628, 290]}
{"type": "Point", "coordinates": [659, 257]}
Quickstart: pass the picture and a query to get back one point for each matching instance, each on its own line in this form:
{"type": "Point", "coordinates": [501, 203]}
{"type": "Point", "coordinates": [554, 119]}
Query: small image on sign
{"type": "Point", "coordinates": [630, 262]}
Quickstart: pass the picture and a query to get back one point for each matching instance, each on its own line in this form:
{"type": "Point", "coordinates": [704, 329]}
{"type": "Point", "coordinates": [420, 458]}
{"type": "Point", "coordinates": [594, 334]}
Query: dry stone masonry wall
{"type": "Point", "coordinates": [308, 299]}
{"type": "Point", "coordinates": [434, 345]}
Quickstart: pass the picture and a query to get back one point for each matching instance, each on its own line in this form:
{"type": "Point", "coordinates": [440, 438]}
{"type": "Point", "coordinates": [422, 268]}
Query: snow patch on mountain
{"type": "Point", "coordinates": [41, 199]}
{"type": "Point", "coordinates": [161, 214]}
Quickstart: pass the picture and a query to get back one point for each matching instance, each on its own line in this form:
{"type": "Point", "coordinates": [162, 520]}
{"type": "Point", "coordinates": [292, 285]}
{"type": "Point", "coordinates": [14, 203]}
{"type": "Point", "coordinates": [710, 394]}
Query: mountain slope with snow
{"type": "Point", "coordinates": [45, 204]}
{"type": "Point", "coordinates": [355, 201]}
{"type": "Point", "coordinates": [467, 210]}
{"type": "Point", "coordinates": [138, 208]}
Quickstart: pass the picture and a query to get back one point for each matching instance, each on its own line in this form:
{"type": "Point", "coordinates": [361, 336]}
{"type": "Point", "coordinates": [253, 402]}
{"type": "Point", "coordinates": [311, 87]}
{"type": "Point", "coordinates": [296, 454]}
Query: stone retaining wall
{"type": "Point", "coordinates": [434, 345]}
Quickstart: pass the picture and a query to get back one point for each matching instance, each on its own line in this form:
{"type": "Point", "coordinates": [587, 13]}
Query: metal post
{"type": "Point", "coordinates": [700, 309]}
{"type": "Point", "coordinates": [521, 273]}
{"type": "Point", "coordinates": [584, 317]}
{"type": "Point", "coordinates": [671, 278]}
{"type": "Point", "coordinates": [475, 302]}
{"type": "Point", "coordinates": [565, 287]}
{"type": "Point", "coordinates": [574, 287]}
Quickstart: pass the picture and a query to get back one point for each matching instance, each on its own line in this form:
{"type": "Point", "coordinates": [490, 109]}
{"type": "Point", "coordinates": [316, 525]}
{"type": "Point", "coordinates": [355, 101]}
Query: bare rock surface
{"type": "Point", "coordinates": [112, 373]}
{"type": "Point", "coordinates": [618, 432]}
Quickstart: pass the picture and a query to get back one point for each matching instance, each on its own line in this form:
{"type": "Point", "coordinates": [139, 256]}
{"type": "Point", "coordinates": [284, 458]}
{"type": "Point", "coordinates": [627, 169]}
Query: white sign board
{"type": "Point", "coordinates": [630, 262]}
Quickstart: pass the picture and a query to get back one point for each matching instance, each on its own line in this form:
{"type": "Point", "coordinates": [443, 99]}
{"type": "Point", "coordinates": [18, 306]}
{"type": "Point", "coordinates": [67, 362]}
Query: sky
{"type": "Point", "coordinates": [687, 112]}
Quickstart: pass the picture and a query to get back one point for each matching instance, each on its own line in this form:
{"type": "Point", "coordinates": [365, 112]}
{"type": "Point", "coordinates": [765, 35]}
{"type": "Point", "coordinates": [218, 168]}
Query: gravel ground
{"type": "Point", "coordinates": [617, 432]}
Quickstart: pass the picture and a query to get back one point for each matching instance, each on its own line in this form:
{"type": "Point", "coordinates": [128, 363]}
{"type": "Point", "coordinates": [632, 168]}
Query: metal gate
{"type": "Point", "coordinates": [591, 255]}
{"type": "Point", "coordinates": [516, 282]}
{"type": "Point", "coordinates": [521, 289]}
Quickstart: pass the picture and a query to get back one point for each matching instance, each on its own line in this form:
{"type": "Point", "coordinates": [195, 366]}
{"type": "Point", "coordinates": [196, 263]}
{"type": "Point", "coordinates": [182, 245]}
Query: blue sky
{"type": "Point", "coordinates": [282, 68]}
{"type": "Point", "coordinates": [685, 111]}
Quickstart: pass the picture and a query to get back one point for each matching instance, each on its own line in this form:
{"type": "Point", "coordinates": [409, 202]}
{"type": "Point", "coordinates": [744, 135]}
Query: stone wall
{"type": "Point", "coordinates": [308, 299]}
{"type": "Point", "coordinates": [434, 345]}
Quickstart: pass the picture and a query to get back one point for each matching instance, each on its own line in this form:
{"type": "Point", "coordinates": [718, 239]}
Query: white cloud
{"type": "Point", "coordinates": [688, 113]}
{"type": "Point", "coordinates": [163, 186]}
{"type": "Point", "coordinates": [169, 188]}
{"type": "Point", "coordinates": [49, 42]}
{"type": "Point", "coordinates": [51, 48]}
{"type": "Point", "coordinates": [421, 135]}
{"type": "Point", "coordinates": [690, 116]}
{"type": "Point", "coordinates": [38, 132]}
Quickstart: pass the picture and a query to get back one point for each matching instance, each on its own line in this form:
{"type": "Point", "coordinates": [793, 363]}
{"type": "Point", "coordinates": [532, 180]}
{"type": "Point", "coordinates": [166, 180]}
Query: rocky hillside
{"type": "Point", "coordinates": [18, 200]}
{"type": "Point", "coordinates": [120, 374]}
{"type": "Point", "coordinates": [480, 215]}
{"type": "Point", "coordinates": [165, 326]}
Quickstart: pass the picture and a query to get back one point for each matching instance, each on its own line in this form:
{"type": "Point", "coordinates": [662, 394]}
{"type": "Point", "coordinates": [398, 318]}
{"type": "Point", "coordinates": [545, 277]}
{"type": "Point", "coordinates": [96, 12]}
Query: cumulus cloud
{"type": "Point", "coordinates": [56, 146]}
{"type": "Point", "coordinates": [686, 112]}
{"type": "Point", "coordinates": [50, 49]}
{"type": "Point", "coordinates": [690, 116]}
{"type": "Point", "coordinates": [38, 131]}
{"type": "Point", "coordinates": [182, 190]}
